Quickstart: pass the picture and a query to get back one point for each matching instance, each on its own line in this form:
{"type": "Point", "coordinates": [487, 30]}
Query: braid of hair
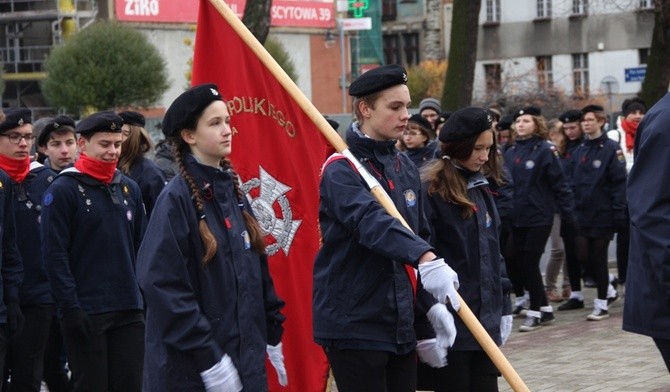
{"type": "Point", "coordinates": [208, 239]}
{"type": "Point", "coordinates": [252, 225]}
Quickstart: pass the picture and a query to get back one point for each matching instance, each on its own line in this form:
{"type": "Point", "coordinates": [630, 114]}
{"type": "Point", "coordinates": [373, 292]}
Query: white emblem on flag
{"type": "Point", "coordinates": [283, 228]}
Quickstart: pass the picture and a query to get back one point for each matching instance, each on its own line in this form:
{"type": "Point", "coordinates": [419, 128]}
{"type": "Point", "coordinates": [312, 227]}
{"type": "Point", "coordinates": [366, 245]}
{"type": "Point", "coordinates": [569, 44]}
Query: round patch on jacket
{"type": "Point", "coordinates": [597, 163]}
{"type": "Point", "coordinates": [488, 220]}
{"type": "Point", "coordinates": [48, 198]}
{"type": "Point", "coordinates": [129, 215]}
{"type": "Point", "coordinates": [530, 164]}
{"type": "Point", "coordinates": [410, 198]}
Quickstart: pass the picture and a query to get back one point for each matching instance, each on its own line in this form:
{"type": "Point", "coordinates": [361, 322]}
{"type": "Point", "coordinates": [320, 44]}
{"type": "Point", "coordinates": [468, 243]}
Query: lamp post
{"type": "Point", "coordinates": [343, 67]}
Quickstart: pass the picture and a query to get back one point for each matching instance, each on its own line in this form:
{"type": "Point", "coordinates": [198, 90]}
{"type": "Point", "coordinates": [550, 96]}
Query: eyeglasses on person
{"type": "Point", "coordinates": [16, 137]}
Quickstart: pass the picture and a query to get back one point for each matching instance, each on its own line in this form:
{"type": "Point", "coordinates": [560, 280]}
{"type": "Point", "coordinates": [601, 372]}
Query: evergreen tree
{"type": "Point", "coordinates": [104, 66]}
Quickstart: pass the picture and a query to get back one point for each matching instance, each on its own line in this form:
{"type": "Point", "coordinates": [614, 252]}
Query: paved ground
{"type": "Point", "coordinates": [578, 355]}
{"type": "Point", "coordinates": [573, 354]}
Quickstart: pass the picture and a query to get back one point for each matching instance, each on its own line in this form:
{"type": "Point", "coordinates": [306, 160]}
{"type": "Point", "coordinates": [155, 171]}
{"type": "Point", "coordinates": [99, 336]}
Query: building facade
{"type": "Point", "coordinates": [585, 49]}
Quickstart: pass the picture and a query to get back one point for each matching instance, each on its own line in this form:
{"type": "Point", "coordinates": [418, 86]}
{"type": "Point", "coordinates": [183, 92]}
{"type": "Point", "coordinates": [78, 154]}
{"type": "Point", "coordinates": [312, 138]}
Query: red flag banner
{"type": "Point", "coordinates": [278, 151]}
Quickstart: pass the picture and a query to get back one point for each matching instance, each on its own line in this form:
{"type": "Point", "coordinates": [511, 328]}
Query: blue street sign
{"type": "Point", "coordinates": [634, 74]}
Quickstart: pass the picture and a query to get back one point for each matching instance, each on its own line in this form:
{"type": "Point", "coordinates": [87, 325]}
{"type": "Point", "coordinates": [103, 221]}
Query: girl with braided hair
{"type": "Point", "coordinates": [212, 311]}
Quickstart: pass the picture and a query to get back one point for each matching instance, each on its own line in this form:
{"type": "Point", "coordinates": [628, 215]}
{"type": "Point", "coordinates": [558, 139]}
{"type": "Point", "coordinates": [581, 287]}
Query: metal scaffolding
{"type": "Point", "coordinates": [29, 30]}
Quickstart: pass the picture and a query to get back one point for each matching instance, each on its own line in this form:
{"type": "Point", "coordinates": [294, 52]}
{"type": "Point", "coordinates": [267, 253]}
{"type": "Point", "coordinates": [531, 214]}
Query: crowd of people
{"type": "Point", "coordinates": [92, 300]}
{"type": "Point", "coordinates": [125, 271]}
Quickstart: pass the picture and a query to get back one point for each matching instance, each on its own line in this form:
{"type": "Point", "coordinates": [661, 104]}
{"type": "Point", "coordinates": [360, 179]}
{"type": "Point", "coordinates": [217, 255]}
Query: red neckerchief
{"type": "Point", "coordinates": [17, 169]}
{"type": "Point", "coordinates": [100, 170]}
{"type": "Point", "coordinates": [630, 128]}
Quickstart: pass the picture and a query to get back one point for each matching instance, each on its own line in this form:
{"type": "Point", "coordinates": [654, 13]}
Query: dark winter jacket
{"type": "Point", "coordinates": [648, 279]}
{"type": "Point", "coordinates": [363, 298]}
{"type": "Point", "coordinates": [197, 313]}
{"type": "Point", "coordinates": [540, 184]}
{"type": "Point", "coordinates": [90, 236]}
{"type": "Point", "coordinates": [471, 247]}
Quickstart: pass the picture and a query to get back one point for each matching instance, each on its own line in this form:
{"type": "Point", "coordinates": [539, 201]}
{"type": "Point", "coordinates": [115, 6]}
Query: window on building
{"type": "Point", "coordinates": [645, 4]}
{"type": "Point", "coordinates": [493, 10]}
{"type": "Point", "coordinates": [580, 74]}
{"type": "Point", "coordinates": [580, 7]}
{"type": "Point", "coordinates": [643, 54]}
{"type": "Point", "coordinates": [545, 74]}
{"type": "Point", "coordinates": [389, 10]}
{"type": "Point", "coordinates": [401, 48]}
{"type": "Point", "coordinates": [410, 42]}
{"type": "Point", "coordinates": [392, 53]}
{"type": "Point", "coordinates": [493, 77]}
{"type": "Point", "coordinates": [544, 8]}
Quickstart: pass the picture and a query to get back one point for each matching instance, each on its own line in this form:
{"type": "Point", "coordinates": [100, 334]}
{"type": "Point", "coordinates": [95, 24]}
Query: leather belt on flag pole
{"type": "Point", "coordinates": [465, 313]}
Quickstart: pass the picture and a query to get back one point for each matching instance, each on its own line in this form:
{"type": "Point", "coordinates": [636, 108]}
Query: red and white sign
{"type": "Point", "coordinates": [349, 24]}
{"type": "Point", "coordinates": [286, 13]}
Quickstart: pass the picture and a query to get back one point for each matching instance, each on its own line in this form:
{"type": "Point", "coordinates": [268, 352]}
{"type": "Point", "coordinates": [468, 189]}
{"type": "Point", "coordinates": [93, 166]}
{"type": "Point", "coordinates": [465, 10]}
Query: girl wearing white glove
{"type": "Point", "coordinates": [211, 307]}
{"type": "Point", "coordinates": [465, 231]}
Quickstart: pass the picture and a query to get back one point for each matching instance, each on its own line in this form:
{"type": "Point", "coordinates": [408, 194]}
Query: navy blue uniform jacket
{"type": "Point", "coordinates": [472, 248]}
{"type": "Point", "coordinates": [647, 309]}
{"type": "Point", "coordinates": [11, 266]}
{"type": "Point", "coordinates": [35, 289]}
{"type": "Point", "coordinates": [150, 179]}
{"type": "Point", "coordinates": [196, 312]}
{"type": "Point", "coordinates": [599, 181]}
{"type": "Point", "coordinates": [362, 295]}
{"type": "Point", "coordinates": [539, 183]}
{"type": "Point", "coordinates": [90, 236]}
{"type": "Point", "coordinates": [422, 155]}
{"type": "Point", "coordinates": [567, 158]}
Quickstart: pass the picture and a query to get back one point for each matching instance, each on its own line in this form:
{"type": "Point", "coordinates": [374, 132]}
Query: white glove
{"type": "Point", "coordinates": [505, 327]}
{"type": "Point", "coordinates": [431, 353]}
{"type": "Point", "coordinates": [441, 281]}
{"type": "Point", "coordinates": [443, 323]}
{"type": "Point", "coordinates": [222, 377]}
{"type": "Point", "coordinates": [277, 359]}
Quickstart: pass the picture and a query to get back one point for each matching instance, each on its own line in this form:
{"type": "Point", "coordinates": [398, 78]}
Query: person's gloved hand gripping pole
{"type": "Point", "coordinates": [439, 279]}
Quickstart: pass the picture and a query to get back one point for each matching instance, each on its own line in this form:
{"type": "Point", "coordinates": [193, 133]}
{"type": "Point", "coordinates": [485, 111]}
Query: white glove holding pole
{"type": "Point", "coordinates": [441, 281]}
{"type": "Point", "coordinates": [443, 323]}
{"type": "Point", "coordinates": [505, 327]}
{"type": "Point", "coordinates": [276, 356]}
{"type": "Point", "coordinates": [222, 377]}
{"type": "Point", "coordinates": [431, 353]}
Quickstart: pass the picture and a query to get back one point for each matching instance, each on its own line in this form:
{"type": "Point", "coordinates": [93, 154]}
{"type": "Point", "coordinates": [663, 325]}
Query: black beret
{"type": "Point", "coordinates": [592, 108]}
{"type": "Point", "coordinates": [532, 110]}
{"type": "Point", "coordinates": [571, 116]}
{"type": "Point", "coordinates": [333, 123]}
{"type": "Point", "coordinates": [505, 123]}
{"type": "Point", "coordinates": [378, 79]}
{"type": "Point", "coordinates": [106, 121]}
{"type": "Point", "coordinates": [465, 123]}
{"type": "Point", "coordinates": [420, 121]}
{"type": "Point", "coordinates": [630, 105]}
{"type": "Point", "coordinates": [133, 118]}
{"type": "Point", "coordinates": [15, 117]}
{"type": "Point", "coordinates": [189, 104]}
{"type": "Point", "coordinates": [60, 121]}
{"type": "Point", "coordinates": [495, 114]}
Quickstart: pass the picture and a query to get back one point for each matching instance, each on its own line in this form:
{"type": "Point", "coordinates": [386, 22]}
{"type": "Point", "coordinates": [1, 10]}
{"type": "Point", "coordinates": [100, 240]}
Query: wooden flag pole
{"type": "Point", "coordinates": [377, 191]}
